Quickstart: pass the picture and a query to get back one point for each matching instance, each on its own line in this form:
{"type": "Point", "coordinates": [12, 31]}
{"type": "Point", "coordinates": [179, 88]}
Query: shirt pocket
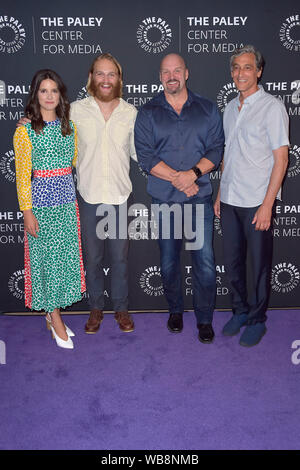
{"type": "Point", "coordinates": [254, 145]}
{"type": "Point", "coordinates": [252, 133]}
{"type": "Point", "coordinates": [120, 134]}
{"type": "Point", "coordinates": [87, 131]}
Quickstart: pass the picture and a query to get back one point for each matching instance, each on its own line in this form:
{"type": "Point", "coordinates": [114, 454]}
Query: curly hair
{"type": "Point", "coordinates": [32, 109]}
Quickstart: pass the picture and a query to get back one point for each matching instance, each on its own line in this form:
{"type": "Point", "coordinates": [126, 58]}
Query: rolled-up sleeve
{"type": "Point", "coordinates": [144, 141]}
{"type": "Point", "coordinates": [215, 138]}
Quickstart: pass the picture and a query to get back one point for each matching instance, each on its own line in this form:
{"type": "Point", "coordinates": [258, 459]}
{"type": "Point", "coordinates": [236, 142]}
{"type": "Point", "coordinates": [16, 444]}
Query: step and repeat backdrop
{"type": "Point", "coordinates": [66, 36]}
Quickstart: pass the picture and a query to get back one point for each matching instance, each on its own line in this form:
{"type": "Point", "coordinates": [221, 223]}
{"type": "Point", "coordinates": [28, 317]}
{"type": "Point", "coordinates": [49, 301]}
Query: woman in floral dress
{"type": "Point", "coordinates": [44, 151]}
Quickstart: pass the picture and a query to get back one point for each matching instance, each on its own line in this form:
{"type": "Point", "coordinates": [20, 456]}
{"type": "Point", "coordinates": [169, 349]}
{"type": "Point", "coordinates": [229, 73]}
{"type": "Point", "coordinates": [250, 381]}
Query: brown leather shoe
{"type": "Point", "coordinates": [125, 321]}
{"type": "Point", "coordinates": [94, 321]}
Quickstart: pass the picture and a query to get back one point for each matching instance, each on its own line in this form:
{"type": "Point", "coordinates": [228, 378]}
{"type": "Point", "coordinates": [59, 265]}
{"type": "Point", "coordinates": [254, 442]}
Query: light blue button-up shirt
{"type": "Point", "coordinates": [251, 135]}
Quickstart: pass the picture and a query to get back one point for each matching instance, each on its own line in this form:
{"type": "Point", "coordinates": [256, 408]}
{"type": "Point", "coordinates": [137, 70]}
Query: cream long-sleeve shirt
{"type": "Point", "coordinates": [104, 151]}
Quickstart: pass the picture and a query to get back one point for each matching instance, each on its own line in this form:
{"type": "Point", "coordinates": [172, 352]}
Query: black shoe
{"type": "Point", "coordinates": [206, 333]}
{"type": "Point", "coordinates": [175, 322]}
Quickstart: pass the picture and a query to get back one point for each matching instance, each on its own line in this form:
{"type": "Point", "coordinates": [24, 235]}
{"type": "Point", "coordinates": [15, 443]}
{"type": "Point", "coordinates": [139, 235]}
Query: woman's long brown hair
{"type": "Point", "coordinates": [32, 109]}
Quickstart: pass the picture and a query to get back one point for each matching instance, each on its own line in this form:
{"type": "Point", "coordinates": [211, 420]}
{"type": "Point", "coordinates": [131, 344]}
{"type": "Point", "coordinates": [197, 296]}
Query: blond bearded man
{"type": "Point", "coordinates": [105, 124]}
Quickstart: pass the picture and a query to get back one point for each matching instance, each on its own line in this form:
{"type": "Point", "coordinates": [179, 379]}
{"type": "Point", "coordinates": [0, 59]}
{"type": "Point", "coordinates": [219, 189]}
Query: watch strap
{"type": "Point", "coordinates": [197, 171]}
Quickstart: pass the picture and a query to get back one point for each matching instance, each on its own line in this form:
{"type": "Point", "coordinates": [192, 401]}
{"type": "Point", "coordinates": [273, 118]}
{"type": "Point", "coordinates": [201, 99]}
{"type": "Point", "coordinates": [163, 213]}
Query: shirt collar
{"type": "Point", "coordinates": [252, 98]}
{"type": "Point", "coordinates": [161, 99]}
{"type": "Point", "coordinates": [191, 97]}
{"type": "Point", "coordinates": [119, 108]}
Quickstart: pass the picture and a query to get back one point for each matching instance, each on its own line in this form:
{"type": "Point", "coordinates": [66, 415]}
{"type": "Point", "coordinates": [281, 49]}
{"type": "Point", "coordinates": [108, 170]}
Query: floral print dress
{"type": "Point", "coordinates": [54, 274]}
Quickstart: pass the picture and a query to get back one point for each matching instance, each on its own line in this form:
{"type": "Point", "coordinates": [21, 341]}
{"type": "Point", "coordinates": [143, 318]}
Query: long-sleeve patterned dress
{"type": "Point", "coordinates": [54, 274]}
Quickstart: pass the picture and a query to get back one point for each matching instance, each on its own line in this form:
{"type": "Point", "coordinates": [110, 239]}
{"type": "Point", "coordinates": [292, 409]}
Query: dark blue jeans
{"type": "Point", "coordinates": [200, 220]}
{"type": "Point", "coordinates": [93, 254]}
{"type": "Point", "coordinates": [239, 237]}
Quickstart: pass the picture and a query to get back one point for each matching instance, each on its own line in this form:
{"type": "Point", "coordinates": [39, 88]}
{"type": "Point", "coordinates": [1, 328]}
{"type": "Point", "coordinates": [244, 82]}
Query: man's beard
{"type": "Point", "coordinates": [172, 91]}
{"type": "Point", "coordinates": [97, 92]}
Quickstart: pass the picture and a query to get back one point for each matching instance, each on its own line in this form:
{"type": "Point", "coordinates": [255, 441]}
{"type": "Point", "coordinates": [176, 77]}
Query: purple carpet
{"type": "Point", "coordinates": [149, 389]}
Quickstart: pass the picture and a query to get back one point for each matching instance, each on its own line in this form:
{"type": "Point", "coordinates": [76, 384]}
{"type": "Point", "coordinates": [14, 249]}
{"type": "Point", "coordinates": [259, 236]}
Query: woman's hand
{"type": "Point", "coordinates": [30, 223]}
{"type": "Point", "coordinates": [22, 121]}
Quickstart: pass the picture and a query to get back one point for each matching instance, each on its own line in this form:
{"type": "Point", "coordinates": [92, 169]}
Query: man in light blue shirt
{"type": "Point", "coordinates": [254, 165]}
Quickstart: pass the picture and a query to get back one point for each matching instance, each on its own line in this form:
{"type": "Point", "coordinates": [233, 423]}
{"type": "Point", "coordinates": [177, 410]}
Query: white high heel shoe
{"type": "Point", "coordinates": [67, 344]}
{"type": "Point", "coordinates": [68, 330]}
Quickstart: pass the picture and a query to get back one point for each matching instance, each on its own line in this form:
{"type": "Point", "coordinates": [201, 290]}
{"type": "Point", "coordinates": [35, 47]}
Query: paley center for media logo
{"type": "Point", "coordinates": [294, 165]}
{"type": "Point", "coordinates": [12, 35]}
{"type": "Point", "coordinates": [225, 95]}
{"type": "Point", "coordinates": [82, 94]}
{"type": "Point", "coordinates": [16, 284]}
{"type": "Point", "coordinates": [154, 35]}
{"type": "Point", "coordinates": [218, 226]}
{"type": "Point", "coordinates": [151, 281]}
{"type": "Point", "coordinates": [285, 277]}
{"type": "Point", "coordinates": [7, 166]}
{"type": "Point", "coordinates": [288, 34]}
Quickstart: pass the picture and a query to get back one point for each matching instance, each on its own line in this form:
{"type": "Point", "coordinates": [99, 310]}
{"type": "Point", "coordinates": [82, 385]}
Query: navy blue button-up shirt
{"type": "Point", "coordinates": [178, 140]}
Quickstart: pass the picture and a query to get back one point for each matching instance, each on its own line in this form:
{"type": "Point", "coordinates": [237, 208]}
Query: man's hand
{"type": "Point", "coordinates": [192, 190]}
{"type": "Point", "coordinates": [30, 223]}
{"type": "Point", "coordinates": [183, 180]}
{"type": "Point", "coordinates": [163, 171]}
{"type": "Point", "coordinates": [262, 218]}
{"type": "Point", "coordinates": [23, 121]}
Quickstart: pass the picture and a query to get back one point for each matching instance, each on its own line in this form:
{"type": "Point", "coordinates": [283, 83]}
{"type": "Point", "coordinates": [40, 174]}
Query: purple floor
{"type": "Point", "coordinates": [149, 389]}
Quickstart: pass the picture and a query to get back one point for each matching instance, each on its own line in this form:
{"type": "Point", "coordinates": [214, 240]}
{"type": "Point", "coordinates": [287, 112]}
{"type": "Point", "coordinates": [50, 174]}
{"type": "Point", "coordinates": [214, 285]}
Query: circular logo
{"type": "Point", "coordinates": [16, 284]}
{"type": "Point", "coordinates": [142, 171]}
{"type": "Point", "coordinates": [288, 33]}
{"type": "Point", "coordinates": [154, 35]}
{"type": "Point", "coordinates": [82, 94]}
{"type": "Point", "coordinates": [151, 282]}
{"type": "Point", "coordinates": [12, 35]}
{"type": "Point", "coordinates": [217, 225]}
{"type": "Point", "coordinates": [285, 277]}
{"type": "Point", "coordinates": [294, 164]}
{"type": "Point", "coordinates": [7, 166]}
{"type": "Point", "coordinates": [226, 94]}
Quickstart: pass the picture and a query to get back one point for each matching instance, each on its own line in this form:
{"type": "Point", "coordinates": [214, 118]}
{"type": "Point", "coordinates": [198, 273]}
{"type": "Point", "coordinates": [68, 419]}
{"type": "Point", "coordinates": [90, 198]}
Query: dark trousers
{"type": "Point", "coordinates": [240, 237]}
{"type": "Point", "coordinates": [93, 254]}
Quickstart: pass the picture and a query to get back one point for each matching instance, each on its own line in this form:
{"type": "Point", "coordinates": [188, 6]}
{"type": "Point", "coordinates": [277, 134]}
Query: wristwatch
{"type": "Point", "coordinates": [197, 171]}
